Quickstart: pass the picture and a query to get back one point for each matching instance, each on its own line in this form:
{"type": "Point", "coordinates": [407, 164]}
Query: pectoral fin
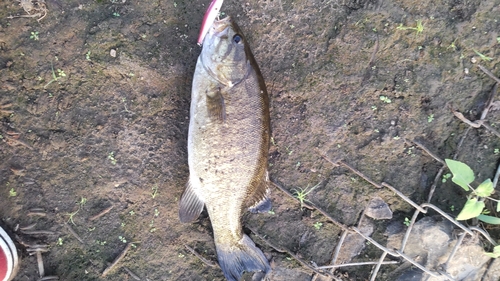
{"type": "Point", "coordinates": [215, 105]}
{"type": "Point", "coordinates": [190, 206]}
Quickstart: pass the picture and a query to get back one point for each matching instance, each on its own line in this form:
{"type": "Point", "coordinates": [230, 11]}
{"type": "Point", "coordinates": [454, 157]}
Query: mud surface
{"type": "Point", "coordinates": [83, 129]}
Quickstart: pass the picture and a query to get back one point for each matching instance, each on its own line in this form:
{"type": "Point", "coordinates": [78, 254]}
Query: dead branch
{"type": "Point", "coordinates": [74, 233]}
{"type": "Point", "coordinates": [117, 260]}
{"type": "Point", "coordinates": [102, 213]}
{"type": "Point", "coordinates": [204, 260]}
{"type": "Point", "coordinates": [297, 258]}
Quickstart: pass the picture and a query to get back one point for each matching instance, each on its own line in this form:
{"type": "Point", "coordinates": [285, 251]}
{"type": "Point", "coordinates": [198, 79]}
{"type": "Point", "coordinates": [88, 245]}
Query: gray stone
{"type": "Point", "coordinates": [355, 243]}
{"type": "Point", "coordinates": [430, 244]}
{"type": "Point", "coordinates": [378, 209]}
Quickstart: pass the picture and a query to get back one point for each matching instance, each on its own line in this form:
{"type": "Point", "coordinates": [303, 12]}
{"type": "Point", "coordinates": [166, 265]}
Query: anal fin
{"type": "Point", "coordinates": [260, 202]}
{"type": "Point", "coordinates": [190, 206]}
{"type": "Point", "coordinates": [263, 206]}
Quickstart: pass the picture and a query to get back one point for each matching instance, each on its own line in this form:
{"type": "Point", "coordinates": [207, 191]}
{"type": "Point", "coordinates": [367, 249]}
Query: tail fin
{"type": "Point", "coordinates": [244, 256]}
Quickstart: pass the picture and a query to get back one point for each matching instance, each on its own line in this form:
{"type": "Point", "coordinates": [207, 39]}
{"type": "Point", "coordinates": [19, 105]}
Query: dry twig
{"type": "Point", "coordinates": [47, 278]}
{"type": "Point", "coordinates": [487, 72]}
{"type": "Point", "coordinates": [74, 233]}
{"type": "Point", "coordinates": [204, 260]}
{"type": "Point", "coordinates": [102, 213]}
{"type": "Point", "coordinates": [281, 250]}
{"type": "Point", "coordinates": [133, 275]}
{"type": "Point", "coordinates": [117, 260]}
{"type": "Point", "coordinates": [39, 232]}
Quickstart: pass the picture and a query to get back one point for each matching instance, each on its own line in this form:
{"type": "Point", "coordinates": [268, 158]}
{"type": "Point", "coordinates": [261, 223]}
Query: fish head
{"type": "Point", "coordinates": [225, 52]}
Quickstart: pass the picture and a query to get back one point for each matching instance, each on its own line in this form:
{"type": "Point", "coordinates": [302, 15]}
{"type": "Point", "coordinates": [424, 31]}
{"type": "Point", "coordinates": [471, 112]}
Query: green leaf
{"type": "Point", "coordinates": [485, 188]}
{"type": "Point", "coordinates": [462, 174]}
{"type": "Point", "coordinates": [489, 219]}
{"type": "Point", "coordinates": [498, 207]}
{"type": "Point", "coordinates": [472, 209]}
{"type": "Point", "coordinates": [496, 252]}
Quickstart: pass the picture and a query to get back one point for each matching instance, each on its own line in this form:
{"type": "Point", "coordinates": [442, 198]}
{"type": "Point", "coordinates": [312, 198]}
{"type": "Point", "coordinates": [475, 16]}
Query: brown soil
{"type": "Point", "coordinates": [113, 130]}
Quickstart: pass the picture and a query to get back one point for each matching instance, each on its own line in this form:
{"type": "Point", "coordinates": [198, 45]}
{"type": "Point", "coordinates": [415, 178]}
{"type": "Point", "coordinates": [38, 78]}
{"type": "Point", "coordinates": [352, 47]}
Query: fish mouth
{"type": "Point", "coordinates": [220, 28]}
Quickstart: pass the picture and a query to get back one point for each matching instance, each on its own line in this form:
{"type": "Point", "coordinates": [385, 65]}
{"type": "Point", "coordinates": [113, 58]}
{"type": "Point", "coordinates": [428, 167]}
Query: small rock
{"type": "Point", "coordinates": [377, 209]}
{"type": "Point", "coordinates": [355, 243]}
{"type": "Point", "coordinates": [430, 244]}
{"type": "Point", "coordinates": [112, 53]}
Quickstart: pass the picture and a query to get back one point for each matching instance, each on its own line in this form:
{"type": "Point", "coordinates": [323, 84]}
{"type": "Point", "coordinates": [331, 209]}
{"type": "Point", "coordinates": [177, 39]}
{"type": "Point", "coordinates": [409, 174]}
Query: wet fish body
{"type": "Point", "coordinates": [228, 146]}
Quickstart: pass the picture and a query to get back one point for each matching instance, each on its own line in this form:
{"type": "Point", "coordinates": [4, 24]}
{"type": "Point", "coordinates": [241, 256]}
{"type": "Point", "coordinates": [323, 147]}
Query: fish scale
{"type": "Point", "coordinates": [228, 146]}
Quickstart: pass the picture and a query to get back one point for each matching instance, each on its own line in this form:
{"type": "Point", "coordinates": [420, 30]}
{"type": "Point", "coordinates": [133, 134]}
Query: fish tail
{"type": "Point", "coordinates": [244, 256]}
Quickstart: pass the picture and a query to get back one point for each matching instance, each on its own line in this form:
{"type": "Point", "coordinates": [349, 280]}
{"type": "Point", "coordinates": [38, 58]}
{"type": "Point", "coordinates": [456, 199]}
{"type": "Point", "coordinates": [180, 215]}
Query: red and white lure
{"type": "Point", "coordinates": [209, 18]}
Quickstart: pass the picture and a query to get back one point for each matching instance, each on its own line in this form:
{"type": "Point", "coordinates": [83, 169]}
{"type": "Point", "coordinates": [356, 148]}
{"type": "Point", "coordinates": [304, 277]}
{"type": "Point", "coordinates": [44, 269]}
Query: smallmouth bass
{"type": "Point", "coordinates": [228, 146]}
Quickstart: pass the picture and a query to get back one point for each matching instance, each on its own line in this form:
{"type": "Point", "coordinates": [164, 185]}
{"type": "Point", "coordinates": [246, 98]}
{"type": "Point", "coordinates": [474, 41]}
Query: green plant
{"type": "Point", "coordinates": [301, 195]}
{"type": "Point", "coordinates": [12, 192]}
{"type": "Point", "coordinates": [419, 28]}
{"type": "Point", "coordinates": [111, 157]}
{"type": "Point", "coordinates": [34, 35]}
{"type": "Point", "coordinates": [83, 201]}
{"type": "Point", "coordinates": [155, 191]}
{"type": "Point", "coordinates": [59, 241]}
{"type": "Point", "coordinates": [474, 206]}
{"type": "Point", "coordinates": [60, 74]}
{"type": "Point", "coordinates": [483, 57]}
{"type": "Point", "coordinates": [496, 252]}
{"type": "Point", "coordinates": [102, 243]}
{"type": "Point", "coordinates": [452, 45]}
{"type": "Point", "coordinates": [446, 177]}
{"type": "Point", "coordinates": [407, 222]}
{"type": "Point", "coordinates": [496, 151]}
{"type": "Point", "coordinates": [122, 238]}
{"type": "Point", "coordinates": [80, 204]}
{"type": "Point", "coordinates": [87, 56]}
{"type": "Point", "coordinates": [385, 99]}
{"type": "Point", "coordinates": [71, 215]}
{"type": "Point", "coordinates": [430, 118]}
{"type": "Point", "coordinates": [116, 14]}
{"type": "Point", "coordinates": [318, 225]}
{"type": "Point", "coordinates": [151, 225]}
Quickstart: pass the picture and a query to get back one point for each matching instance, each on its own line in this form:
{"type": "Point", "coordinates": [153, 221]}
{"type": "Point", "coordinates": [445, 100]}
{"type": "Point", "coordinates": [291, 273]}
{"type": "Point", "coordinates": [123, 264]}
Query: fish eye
{"type": "Point", "coordinates": [237, 39]}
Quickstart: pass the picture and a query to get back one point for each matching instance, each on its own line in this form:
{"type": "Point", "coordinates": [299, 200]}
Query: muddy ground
{"type": "Point", "coordinates": [83, 130]}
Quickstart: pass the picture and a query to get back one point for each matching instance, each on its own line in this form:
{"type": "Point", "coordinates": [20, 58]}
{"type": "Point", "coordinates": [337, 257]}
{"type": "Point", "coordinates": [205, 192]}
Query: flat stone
{"type": "Point", "coordinates": [430, 244]}
{"type": "Point", "coordinates": [377, 209]}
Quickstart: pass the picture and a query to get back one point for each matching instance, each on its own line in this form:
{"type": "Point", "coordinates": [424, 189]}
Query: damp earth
{"type": "Point", "coordinates": [95, 97]}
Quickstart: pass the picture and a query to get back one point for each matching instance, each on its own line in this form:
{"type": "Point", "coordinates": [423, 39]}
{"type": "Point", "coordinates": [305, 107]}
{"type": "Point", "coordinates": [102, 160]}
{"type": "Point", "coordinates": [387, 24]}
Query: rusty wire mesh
{"type": "Point", "coordinates": [399, 253]}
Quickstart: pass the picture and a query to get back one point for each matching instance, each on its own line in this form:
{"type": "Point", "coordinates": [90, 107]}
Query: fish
{"type": "Point", "coordinates": [228, 145]}
{"type": "Point", "coordinates": [210, 15]}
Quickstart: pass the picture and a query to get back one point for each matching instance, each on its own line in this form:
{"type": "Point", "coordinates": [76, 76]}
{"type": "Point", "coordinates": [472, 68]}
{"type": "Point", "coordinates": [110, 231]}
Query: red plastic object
{"type": "Point", "coordinates": [3, 265]}
{"type": "Point", "coordinates": [8, 257]}
{"type": "Point", "coordinates": [210, 15]}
